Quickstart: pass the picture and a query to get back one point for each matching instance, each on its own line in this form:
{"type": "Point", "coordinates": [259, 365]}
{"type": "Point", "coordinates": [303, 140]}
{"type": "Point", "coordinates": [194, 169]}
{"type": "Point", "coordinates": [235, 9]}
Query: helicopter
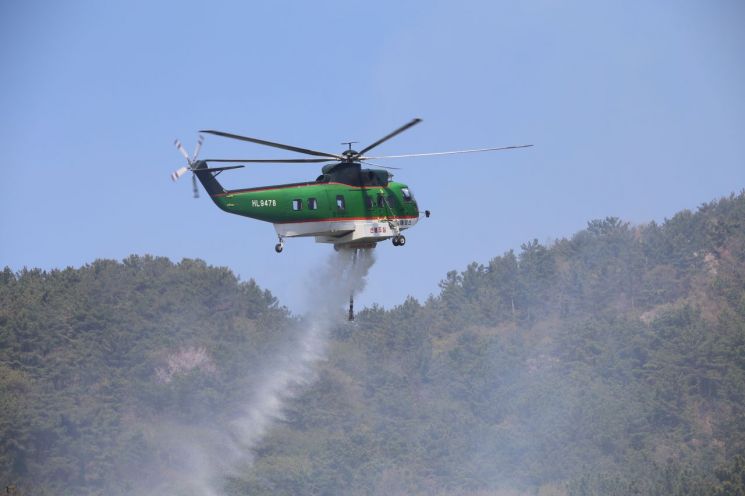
{"type": "Point", "coordinates": [348, 206]}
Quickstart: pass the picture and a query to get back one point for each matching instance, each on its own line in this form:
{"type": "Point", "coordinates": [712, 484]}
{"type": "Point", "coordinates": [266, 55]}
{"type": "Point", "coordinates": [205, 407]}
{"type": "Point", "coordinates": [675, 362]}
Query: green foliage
{"type": "Point", "coordinates": [731, 479]}
{"type": "Point", "coordinates": [80, 356]}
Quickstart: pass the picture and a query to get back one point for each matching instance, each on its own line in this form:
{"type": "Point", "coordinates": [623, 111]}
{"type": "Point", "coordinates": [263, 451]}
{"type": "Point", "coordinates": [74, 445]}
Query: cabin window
{"type": "Point", "coordinates": [312, 203]}
{"type": "Point", "coordinates": [340, 202]}
{"type": "Point", "coordinates": [406, 194]}
{"type": "Point", "coordinates": [381, 201]}
{"type": "Point", "coordinates": [297, 204]}
{"type": "Point", "coordinates": [391, 200]}
{"type": "Point", "coordinates": [368, 202]}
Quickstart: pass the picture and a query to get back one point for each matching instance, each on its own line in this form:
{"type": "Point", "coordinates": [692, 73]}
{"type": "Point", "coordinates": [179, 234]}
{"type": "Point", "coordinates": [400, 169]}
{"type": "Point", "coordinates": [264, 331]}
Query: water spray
{"type": "Point", "coordinates": [351, 293]}
{"type": "Point", "coordinates": [202, 455]}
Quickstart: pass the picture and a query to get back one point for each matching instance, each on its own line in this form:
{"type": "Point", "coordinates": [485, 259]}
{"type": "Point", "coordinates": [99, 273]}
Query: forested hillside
{"type": "Point", "coordinates": [610, 362]}
{"type": "Point", "coordinates": [93, 361]}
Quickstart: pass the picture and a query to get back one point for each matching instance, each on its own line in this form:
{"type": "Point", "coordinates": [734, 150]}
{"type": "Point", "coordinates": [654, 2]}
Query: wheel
{"type": "Point", "coordinates": [278, 247]}
{"type": "Point", "coordinates": [401, 240]}
{"type": "Point", "coordinates": [394, 240]}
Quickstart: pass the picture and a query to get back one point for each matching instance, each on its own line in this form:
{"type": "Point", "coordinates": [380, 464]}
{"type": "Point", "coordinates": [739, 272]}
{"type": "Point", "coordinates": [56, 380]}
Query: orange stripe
{"type": "Point", "coordinates": [334, 219]}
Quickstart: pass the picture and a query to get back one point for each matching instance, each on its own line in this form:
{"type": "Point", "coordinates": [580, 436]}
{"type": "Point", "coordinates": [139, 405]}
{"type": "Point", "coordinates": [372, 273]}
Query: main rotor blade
{"type": "Point", "coordinates": [382, 166]}
{"type": "Point", "coordinates": [446, 153]}
{"type": "Point", "coordinates": [389, 136]}
{"type": "Point", "coordinates": [275, 145]}
{"type": "Point", "coordinates": [274, 161]}
{"type": "Point", "coordinates": [219, 169]}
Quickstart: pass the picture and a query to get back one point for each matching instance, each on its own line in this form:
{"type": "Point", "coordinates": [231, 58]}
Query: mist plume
{"type": "Point", "coordinates": [201, 457]}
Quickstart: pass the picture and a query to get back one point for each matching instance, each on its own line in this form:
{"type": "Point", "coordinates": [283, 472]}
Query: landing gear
{"type": "Point", "coordinates": [398, 240]}
{"type": "Point", "coordinates": [279, 246]}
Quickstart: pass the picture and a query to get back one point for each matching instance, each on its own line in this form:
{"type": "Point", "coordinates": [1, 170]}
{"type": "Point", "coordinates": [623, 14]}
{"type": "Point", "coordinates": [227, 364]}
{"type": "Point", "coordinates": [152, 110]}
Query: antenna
{"type": "Point", "coordinates": [349, 143]}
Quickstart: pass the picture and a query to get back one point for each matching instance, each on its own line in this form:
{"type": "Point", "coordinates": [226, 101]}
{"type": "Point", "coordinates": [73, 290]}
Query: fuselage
{"type": "Point", "coordinates": [333, 212]}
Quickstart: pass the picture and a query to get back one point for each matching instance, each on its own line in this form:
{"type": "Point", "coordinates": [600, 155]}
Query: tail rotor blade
{"type": "Point", "coordinates": [198, 147]}
{"type": "Point", "coordinates": [182, 150]}
{"type": "Point", "coordinates": [178, 173]}
{"type": "Point", "coordinates": [194, 185]}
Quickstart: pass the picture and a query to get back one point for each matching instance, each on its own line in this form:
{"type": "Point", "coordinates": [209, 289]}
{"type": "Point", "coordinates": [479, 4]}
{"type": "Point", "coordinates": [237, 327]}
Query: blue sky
{"type": "Point", "coordinates": [636, 110]}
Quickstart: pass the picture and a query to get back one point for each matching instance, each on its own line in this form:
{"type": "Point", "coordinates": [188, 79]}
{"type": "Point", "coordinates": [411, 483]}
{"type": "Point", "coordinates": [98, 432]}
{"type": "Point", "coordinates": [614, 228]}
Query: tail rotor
{"type": "Point", "coordinates": [191, 161]}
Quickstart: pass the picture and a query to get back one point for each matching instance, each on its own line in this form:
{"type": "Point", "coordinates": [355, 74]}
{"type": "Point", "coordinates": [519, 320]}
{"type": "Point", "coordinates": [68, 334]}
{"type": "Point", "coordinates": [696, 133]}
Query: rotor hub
{"type": "Point", "coordinates": [349, 155]}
